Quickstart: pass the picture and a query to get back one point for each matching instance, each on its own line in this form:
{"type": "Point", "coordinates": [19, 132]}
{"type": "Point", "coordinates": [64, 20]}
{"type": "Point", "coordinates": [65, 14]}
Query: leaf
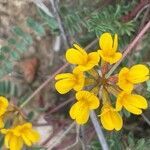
{"type": "Point", "coordinates": [5, 49]}
{"type": "Point", "coordinates": [36, 26]}
{"type": "Point", "coordinates": [18, 31]}
{"type": "Point", "coordinates": [15, 55]}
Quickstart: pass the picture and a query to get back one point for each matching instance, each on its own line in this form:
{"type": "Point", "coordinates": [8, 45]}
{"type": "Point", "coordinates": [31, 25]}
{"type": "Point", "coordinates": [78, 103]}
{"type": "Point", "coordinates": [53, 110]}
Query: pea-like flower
{"type": "Point", "coordinates": [17, 136]}
{"type": "Point", "coordinates": [86, 101]}
{"type": "Point", "coordinates": [131, 102]}
{"type": "Point", "coordinates": [110, 118]}
{"type": "Point", "coordinates": [79, 56]}
{"type": "Point", "coordinates": [128, 77]}
{"type": "Point", "coordinates": [68, 81]}
{"type": "Point", "coordinates": [108, 48]}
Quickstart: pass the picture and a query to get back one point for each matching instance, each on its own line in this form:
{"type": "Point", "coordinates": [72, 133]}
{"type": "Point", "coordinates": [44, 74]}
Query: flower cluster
{"type": "Point", "coordinates": [94, 90]}
{"type": "Point", "coordinates": [21, 131]}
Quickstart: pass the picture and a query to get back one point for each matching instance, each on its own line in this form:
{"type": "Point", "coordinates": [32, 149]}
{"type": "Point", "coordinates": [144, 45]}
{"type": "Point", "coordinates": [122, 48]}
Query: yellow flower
{"type": "Point", "coordinates": [78, 56]}
{"type": "Point", "coordinates": [132, 102]}
{"type": "Point", "coordinates": [109, 48]}
{"type": "Point", "coordinates": [3, 105]}
{"type": "Point", "coordinates": [17, 136]}
{"type": "Point", "coordinates": [110, 118]}
{"type": "Point", "coordinates": [80, 110]}
{"type": "Point", "coordinates": [68, 81]}
{"type": "Point", "coordinates": [128, 77]}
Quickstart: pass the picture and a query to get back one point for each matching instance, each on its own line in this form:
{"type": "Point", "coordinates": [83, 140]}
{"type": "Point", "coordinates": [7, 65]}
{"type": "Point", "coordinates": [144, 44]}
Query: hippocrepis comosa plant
{"type": "Point", "coordinates": [94, 90]}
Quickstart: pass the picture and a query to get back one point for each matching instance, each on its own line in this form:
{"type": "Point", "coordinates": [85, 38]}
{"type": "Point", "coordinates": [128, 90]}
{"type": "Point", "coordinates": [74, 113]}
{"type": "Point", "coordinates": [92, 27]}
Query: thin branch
{"type": "Point", "coordinates": [61, 105]}
{"type": "Point", "coordinates": [61, 136]}
{"type": "Point", "coordinates": [57, 16]}
{"type": "Point", "coordinates": [129, 48]}
{"type": "Point", "coordinates": [99, 131]}
{"type": "Point", "coordinates": [146, 119]}
{"type": "Point", "coordinates": [42, 6]}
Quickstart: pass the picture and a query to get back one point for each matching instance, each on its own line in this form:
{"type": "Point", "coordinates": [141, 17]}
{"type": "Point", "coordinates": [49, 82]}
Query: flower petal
{"type": "Point", "coordinates": [106, 41]}
{"type": "Point", "coordinates": [107, 121]}
{"type": "Point", "coordinates": [63, 76]}
{"type": "Point", "coordinates": [117, 120]}
{"type": "Point", "coordinates": [74, 56]}
{"type": "Point", "coordinates": [137, 101]}
{"type": "Point", "coordinates": [115, 45]}
{"type": "Point", "coordinates": [110, 58]}
{"type": "Point", "coordinates": [123, 83]}
{"type": "Point", "coordinates": [132, 108]}
{"type": "Point", "coordinates": [138, 73]}
{"type": "Point", "coordinates": [65, 85]}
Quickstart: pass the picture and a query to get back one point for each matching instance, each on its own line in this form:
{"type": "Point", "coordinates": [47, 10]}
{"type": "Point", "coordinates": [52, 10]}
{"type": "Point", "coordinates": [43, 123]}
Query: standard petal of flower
{"type": "Point", "coordinates": [1, 122]}
{"type": "Point", "coordinates": [107, 121]}
{"type": "Point", "coordinates": [7, 139]}
{"type": "Point", "coordinates": [138, 73]}
{"type": "Point", "coordinates": [3, 105]}
{"type": "Point", "coordinates": [137, 101]}
{"type": "Point", "coordinates": [117, 120]}
{"type": "Point", "coordinates": [83, 117]}
{"type": "Point", "coordinates": [74, 56]}
{"type": "Point", "coordinates": [80, 79]}
{"type": "Point", "coordinates": [64, 86]}
{"type": "Point", "coordinates": [13, 143]}
{"type": "Point", "coordinates": [63, 76]}
{"type": "Point", "coordinates": [132, 108]}
{"type": "Point", "coordinates": [26, 140]}
{"type": "Point", "coordinates": [93, 101]}
{"type": "Point", "coordinates": [93, 58]}
{"type": "Point", "coordinates": [115, 45]}
{"type": "Point", "coordinates": [123, 83]}
{"type": "Point", "coordinates": [106, 42]}
{"type": "Point", "coordinates": [110, 58]}
{"type": "Point", "coordinates": [80, 49]}
{"type": "Point", "coordinates": [74, 110]}
{"type": "Point", "coordinates": [80, 112]}
{"type": "Point", "coordinates": [118, 104]}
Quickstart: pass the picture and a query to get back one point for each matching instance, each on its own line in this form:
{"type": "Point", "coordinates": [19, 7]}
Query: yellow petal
{"type": "Point", "coordinates": [79, 80]}
{"type": "Point", "coordinates": [93, 58]}
{"type": "Point", "coordinates": [63, 76]}
{"type": "Point", "coordinates": [26, 140]}
{"type": "Point", "coordinates": [7, 140]}
{"type": "Point", "coordinates": [1, 122]}
{"type": "Point", "coordinates": [138, 73]}
{"type": "Point", "coordinates": [93, 101]}
{"type": "Point", "coordinates": [117, 120]}
{"type": "Point", "coordinates": [132, 108]}
{"type": "Point", "coordinates": [107, 121]}
{"type": "Point", "coordinates": [79, 112]}
{"type": "Point", "coordinates": [106, 41]}
{"type": "Point", "coordinates": [13, 143]}
{"type": "Point", "coordinates": [83, 117]}
{"type": "Point", "coordinates": [110, 58]}
{"type": "Point", "coordinates": [73, 111]}
{"type": "Point", "coordinates": [115, 45]}
{"type": "Point", "coordinates": [80, 49]}
{"type": "Point", "coordinates": [65, 85]}
{"type": "Point", "coordinates": [74, 56]}
{"type": "Point", "coordinates": [123, 83]}
{"type": "Point", "coordinates": [3, 105]}
{"type": "Point", "coordinates": [137, 101]}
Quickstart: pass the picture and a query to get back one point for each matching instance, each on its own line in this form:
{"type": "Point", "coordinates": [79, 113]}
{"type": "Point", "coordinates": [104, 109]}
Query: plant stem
{"type": "Point", "coordinates": [99, 131]}
{"type": "Point", "coordinates": [129, 48]}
